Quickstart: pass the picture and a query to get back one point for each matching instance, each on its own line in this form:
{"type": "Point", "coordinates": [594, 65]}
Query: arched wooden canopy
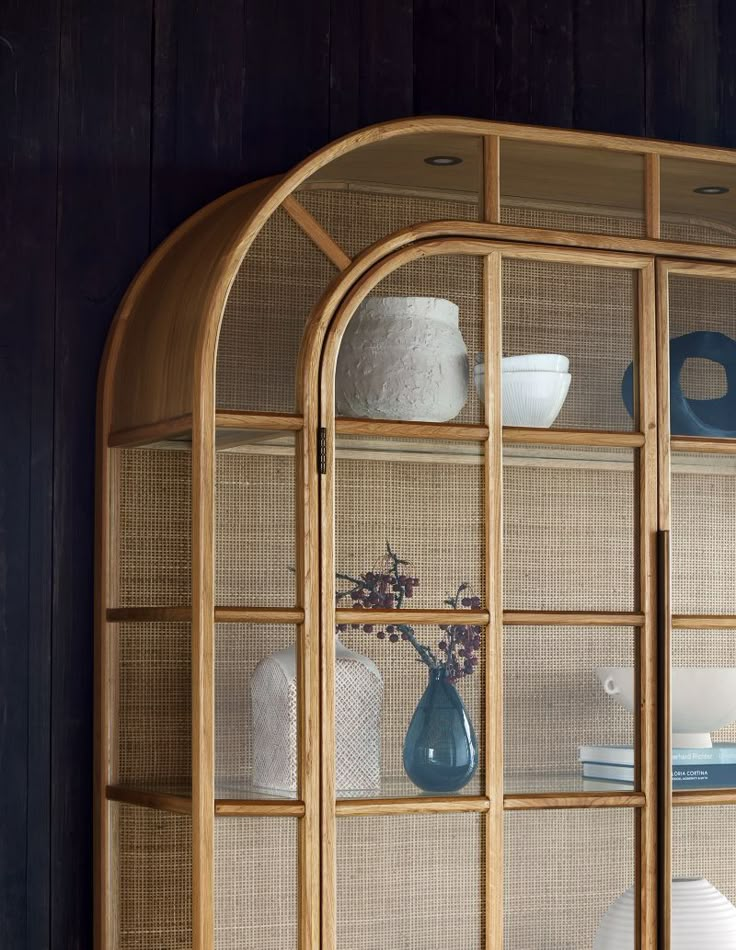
{"type": "Point", "coordinates": [162, 349]}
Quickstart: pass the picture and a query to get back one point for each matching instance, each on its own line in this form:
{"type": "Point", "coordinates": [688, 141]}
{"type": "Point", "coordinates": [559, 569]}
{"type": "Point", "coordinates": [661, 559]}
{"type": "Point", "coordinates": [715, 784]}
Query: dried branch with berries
{"type": "Point", "coordinates": [388, 588]}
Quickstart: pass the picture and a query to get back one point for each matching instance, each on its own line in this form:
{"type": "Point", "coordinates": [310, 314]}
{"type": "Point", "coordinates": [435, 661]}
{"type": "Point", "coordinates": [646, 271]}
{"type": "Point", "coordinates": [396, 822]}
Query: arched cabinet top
{"type": "Point", "coordinates": [487, 179]}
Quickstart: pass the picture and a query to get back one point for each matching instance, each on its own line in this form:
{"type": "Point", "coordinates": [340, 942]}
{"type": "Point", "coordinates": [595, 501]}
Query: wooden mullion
{"type": "Point", "coordinates": [572, 618]}
{"type": "Point", "coordinates": [410, 615]}
{"type": "Point", "coordinates": [704, 621]}
{"type": "Point", "coordinates": [548, 800]}
{"type": "Point", "coordinates": [646, 651]}
{"type": "Point", "coordinates": [236, 419]}
{"type": "Point", "coordinates": [389, 428]}
{"type": "Point", "coordinates": [243, 808]}
{"type": "Point", "coordinates": [492, 568]}
{"type": "Point", "coordinates": [290, 615]}
{"type": "Point", "coordinates": [594, 438]}
{"type": "Point", "coordinates": [424, 805]}
{"type": "Point", "coordinates": [700, 445]}
{"type": "Point", "coordinates": [149, 798]}
{"type": "Point", "coordinates": [704, 796]}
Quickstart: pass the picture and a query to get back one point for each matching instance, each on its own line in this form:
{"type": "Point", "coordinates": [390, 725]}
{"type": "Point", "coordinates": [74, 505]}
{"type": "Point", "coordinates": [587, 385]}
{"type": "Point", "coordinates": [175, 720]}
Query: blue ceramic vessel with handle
{"type": "Point", "coordinates": [714, 418]}
{"type": "Point", "coordinates": [440, 748]}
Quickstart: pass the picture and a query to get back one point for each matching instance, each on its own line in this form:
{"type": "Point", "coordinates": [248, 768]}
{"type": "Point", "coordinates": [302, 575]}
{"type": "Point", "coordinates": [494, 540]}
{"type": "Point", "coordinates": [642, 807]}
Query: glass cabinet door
{"type": "Point", "coordinates": [489, 506]}
{"type": "Point", "coordinates": [697, 325]}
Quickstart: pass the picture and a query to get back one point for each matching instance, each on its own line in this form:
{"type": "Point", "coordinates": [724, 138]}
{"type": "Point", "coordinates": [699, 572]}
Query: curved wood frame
{"type": "Point", "coordinates": [157, 380]}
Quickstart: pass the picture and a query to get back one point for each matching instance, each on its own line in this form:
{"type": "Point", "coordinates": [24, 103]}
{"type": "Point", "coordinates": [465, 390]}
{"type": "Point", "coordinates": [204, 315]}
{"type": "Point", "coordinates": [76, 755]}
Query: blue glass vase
{"type": "Point", "coordinates": [440, 748]}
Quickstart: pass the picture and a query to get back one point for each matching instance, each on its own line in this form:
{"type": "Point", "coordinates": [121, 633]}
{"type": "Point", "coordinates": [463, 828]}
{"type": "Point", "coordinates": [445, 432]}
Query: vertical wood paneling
{"type": "Point", "coordinates": [609, 66]}
{"type": "Point", "coordinates": [682, 46]}
{"type": "Point", "coordinates": [286, 70]}
{"type": "Point", "coordinates": [103, 215]}
{"type": "Point", "coordinates": [461, 84]}
{"type": "Point", "coordinates": [29, 50]}
{"type": "Point", "coordinates": [197, 118]}
{"type": "Point", "coordinates": [371, 62]}
{"type": "Point", "coordinates": [535, 61]}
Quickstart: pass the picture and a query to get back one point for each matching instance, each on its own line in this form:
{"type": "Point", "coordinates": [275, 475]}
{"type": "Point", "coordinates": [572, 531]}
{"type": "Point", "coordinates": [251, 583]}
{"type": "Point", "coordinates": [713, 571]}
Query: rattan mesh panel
{"type": "Point", "coordinates": [256, 554]}
{"type": "Point", "coordinates": [282, 277]}
{"type": "Point", "coordinates": [701, 303]}
{"type": "Point", "coordinates": [239, 648]}
{"type": "Point", "coordinates": [585, 313]}
{"type": "Point", "coordinates": [703, 542]}
{"type": "Point", "coordinates": [153, 856]}
{"type": "Point", "coordinates": [431, 515]}
{"type": "Point", "coordinates": [697, 232]}
{"type": "Point", "coordinates": [594, 220]}
{"type": "Point", "coordinates": [569, 539]}
{"type": "Point", "coordinates": [562, 870]}
{"type": "Point", "coordinates": [154, 716]}
{"type": "Point", "coordinates": [410, 882]}
{"type": "Point", "coordinates": [704, 845]}
{"type": "Point", "coordinates": [554, 702]}
{"type": "Point", "coordinates": [154, 555]}
{"type": "Point", "coordinates": [707, 648]}
{"type": "Point", "coordinates": [256, 883]}
{"type": "Point", "coordinates": [405, 680]}
{"type": "Point", "coordinates": [357, 219]}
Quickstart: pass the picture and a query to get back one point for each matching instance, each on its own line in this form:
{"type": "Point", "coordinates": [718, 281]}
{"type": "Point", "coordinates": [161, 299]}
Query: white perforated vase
{"type": "Point", "coordinates": [702, 919]}
{"type": "Point", "coordinates": [403, 358]}
{"type": "Point", "coordinates": [358, 701]}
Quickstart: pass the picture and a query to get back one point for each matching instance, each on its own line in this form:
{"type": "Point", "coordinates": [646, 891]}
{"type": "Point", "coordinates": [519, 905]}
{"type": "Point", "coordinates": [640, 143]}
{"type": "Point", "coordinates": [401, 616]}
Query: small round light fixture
{"type": "Point", "coordinates": [443, 160]}
{"type": "Point", "coordinates": [711, 190]}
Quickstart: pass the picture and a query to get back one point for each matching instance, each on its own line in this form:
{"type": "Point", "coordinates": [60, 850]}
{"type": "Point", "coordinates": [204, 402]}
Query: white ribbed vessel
{"type": "Point", "coordinates": [702, 919]}
{"type": "Point", "coordinates": [403, 358]}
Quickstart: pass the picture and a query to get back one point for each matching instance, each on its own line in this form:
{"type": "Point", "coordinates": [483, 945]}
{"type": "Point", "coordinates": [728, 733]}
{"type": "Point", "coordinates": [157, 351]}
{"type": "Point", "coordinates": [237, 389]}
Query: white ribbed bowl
{"type": "Point", "coordinates": [532, 399]}
{"type": "Point", "coordinates": [702, 919]}
{"type": "Point", "coordinates": [544, 362]}
{"type": "Point", "coordinates": [703, 699]}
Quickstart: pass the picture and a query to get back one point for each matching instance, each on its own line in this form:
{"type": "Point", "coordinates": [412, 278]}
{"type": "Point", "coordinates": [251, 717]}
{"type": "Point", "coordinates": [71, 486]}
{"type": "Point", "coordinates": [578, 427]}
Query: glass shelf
{"type": "Point", "coordinates": [543, 783]}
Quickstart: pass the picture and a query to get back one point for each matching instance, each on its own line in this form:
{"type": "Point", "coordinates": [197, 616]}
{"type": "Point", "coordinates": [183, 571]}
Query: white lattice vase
{"type": "Point", "coordinates": [358, 701]}
{"type": "Point", "coordinates": [403, 358]}
{"type": "Point", "coordinates": [702, 918]}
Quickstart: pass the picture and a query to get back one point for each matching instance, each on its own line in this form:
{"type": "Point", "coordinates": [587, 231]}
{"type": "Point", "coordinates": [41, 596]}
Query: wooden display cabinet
{"type": "Point", "coordinates": [229, 494]}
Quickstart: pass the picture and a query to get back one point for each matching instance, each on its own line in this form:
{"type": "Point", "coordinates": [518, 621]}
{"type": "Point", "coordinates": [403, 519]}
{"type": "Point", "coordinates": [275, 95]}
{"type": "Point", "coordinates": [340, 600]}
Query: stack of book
{"type": "Point", "coordinates": [691, 768]}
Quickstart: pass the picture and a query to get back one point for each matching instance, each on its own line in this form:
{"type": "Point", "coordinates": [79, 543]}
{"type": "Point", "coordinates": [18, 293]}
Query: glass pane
{"type": "Point", "coordinates": [702, 356]}
{"type": "Point", "coordinates": [402, 731]}
{"type": "Point", "coordinates": [407, 350]}
{"type": "Point", "coordinates": [563, 870]}
{"type": "Point", "coordinates": [585, 314]}
{"type": "Point", "coordinates": [255, 711]}
{"type": "Point", "coordinates": [704, 709]}
{"type": "Point", "coordinates": [704, 875]}
{"type": "Point", "coordinates": [282, 277]}
{"type": "Point", "coordinates": [562, 731]}
{"type": "Point", "coordinates": [154, 556]}
{"type": "Point", "coordinates": [427, 508]}
{"type": "Point", "coordinates": [698, 201]}
{"type": "Point", "coordinates": [154, 705]}
{"type": "Point", "coordinates": [255, 523]}
{"type": "Point", "coordinates": [256, 883]}
{"type": "Point", "coordinates": [410, 881]}
{"type": "Point", "coordinates": [572, 189]}
{"type": "Point", "coordinates": [153, 872]}
{"type": "Point", "coordinates": [378, 189]}
{"type": "Point", "coordinates": [569, 530]}
{"type": "Point", "coordinates": [703, 533]}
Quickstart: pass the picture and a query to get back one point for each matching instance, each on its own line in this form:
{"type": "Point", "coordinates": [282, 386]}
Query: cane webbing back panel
{"type": "Point", "coordinates": [256, 883]}
{"type": "Point", "coordinates": [154, 556]}
{"type": "Point", "coordinates": [283, 275]}
{"type": "Point", "coordinates": [152, 879]}
{"type": "Point", "coordinates": [562, 870]}
{"type": "Point", "coordinates": [154, 714]}
{"type": "Point", "coordinates": [410, 881]}
{"type": "Point", "coordinates": [703, 845]}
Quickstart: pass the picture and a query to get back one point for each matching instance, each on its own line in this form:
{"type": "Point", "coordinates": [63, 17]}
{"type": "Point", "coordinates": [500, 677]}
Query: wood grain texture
{"type": "Point", "coordinates": [424, 805]}
{"type": "Point", "coordinates": [544, 800]}
{"type": "Point", "coordinates": [145, 798]}
{"type": "Point", "coordinates": [566, 618]}
{"type": "Point", "coordinates": [315, 232]}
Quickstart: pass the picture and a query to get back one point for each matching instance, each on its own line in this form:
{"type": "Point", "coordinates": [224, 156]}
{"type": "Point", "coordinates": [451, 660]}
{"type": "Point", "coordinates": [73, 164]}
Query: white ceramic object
{"type": "Point", "coordinates": [528, 398]}
{"type": "Point", "coordinates": [703, 700]}
{"type": "Point", "coordinates": [702, 919]}
{"type": "Point", "coordinates": [358, 701]}
{"type": "Point", "coordinates": [403, 358]}
{"type": "Point", "coordinates": [545, 362]}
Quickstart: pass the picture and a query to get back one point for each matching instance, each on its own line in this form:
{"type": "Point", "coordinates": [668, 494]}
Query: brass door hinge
{"type": "Point", "coordinates": [322, 450]}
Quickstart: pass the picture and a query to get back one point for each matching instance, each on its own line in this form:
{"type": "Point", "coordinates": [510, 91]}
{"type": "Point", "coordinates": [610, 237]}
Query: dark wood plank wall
{"type": "Point", "coordinates": [120, 118]}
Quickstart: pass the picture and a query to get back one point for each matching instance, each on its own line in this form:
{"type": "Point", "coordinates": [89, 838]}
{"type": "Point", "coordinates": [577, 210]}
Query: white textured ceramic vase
{"type": "Point", "coordinates": [403, 358]}
{"type": "Point", "coordinates": [358, 701]}
{"type": "Point", "coordinates": [702, 918]}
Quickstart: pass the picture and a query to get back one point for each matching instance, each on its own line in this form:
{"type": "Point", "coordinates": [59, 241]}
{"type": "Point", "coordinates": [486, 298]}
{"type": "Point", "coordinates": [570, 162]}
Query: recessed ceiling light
{"type": "Point", "coordinates": [711, 190]}
{"type": "Point", "coordinates": [443, 160]}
